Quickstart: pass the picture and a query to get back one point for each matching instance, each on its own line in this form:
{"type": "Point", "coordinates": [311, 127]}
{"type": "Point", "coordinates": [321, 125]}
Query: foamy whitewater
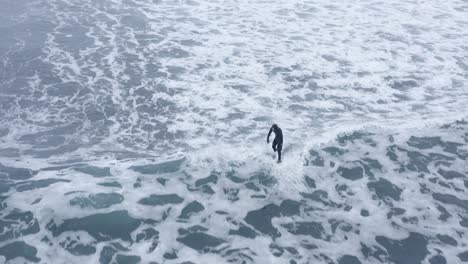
{"type": "Point", "coordinates": [135, 131]}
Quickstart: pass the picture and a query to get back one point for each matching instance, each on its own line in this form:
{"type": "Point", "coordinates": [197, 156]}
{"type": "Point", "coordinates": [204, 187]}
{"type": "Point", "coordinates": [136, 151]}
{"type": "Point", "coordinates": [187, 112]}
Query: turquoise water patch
{"type": "Point", "coordinates": [97, 201]}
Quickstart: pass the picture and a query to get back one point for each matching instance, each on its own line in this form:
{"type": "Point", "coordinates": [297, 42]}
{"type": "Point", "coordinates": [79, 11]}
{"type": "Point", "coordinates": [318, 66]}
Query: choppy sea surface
{"type": "Point", "coordinates": [135, 131]}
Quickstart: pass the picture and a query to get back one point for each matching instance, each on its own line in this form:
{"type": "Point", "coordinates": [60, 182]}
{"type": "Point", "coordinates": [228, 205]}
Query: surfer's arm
{"type": "Point", "coordinates": [269, 133]}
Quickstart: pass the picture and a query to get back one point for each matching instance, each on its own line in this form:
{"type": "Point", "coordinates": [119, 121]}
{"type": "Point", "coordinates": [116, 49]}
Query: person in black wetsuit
{"type": "Point", "coordinates": [278, 141]}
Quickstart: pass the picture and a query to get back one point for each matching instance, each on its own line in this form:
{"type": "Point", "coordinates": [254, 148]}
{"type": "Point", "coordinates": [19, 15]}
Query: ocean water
{"type": "Point", "coordinates": [134, 131]}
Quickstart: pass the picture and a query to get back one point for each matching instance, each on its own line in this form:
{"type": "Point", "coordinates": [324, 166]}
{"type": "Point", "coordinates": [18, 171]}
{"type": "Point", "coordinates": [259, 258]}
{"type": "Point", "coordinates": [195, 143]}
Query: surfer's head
{"type": "Point", "coordinates": [274, 126]}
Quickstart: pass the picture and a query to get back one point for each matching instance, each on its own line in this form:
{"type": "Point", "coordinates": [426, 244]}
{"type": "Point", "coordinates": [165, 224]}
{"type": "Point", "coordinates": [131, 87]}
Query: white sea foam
{"type": "Point", "coordinates": [121, 84]}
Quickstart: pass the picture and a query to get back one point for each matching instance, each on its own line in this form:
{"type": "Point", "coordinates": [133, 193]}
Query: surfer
{"type": "Point", "coordinates": [278, 141]}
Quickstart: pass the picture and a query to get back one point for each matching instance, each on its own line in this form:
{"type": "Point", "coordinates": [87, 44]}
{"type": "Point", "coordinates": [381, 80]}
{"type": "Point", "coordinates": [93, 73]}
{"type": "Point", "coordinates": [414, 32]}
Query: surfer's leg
{"type": "Point", "coordinates": [280, 148]}
{"type": "Point", "coordinates": [274, 145]}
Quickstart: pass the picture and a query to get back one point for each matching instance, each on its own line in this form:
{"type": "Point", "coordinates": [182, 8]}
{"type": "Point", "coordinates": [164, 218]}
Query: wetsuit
{"type": "Point", "coordinates": [278, 141]}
